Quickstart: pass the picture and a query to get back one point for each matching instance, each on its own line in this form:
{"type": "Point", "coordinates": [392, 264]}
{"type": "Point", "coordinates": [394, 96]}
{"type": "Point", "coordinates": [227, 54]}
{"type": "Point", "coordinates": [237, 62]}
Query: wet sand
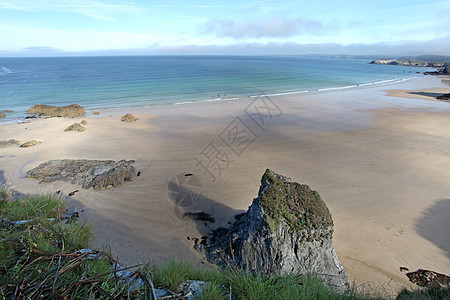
{"type": "Point", "coordinates": [380, 160]}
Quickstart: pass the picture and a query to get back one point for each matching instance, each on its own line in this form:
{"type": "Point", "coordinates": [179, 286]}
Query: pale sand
{"type": "Point", "coordinates": [381, 164]}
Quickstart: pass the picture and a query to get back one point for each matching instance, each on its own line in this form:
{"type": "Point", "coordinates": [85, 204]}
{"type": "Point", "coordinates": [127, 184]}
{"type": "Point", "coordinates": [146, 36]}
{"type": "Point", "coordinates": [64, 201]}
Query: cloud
{"type": "Point", "coordinates": [269, 27]}
{"type": "Point", "coordinates": [92, 9]}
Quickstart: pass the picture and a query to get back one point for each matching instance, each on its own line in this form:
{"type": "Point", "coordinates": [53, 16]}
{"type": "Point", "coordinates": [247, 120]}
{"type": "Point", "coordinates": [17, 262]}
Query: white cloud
{"type": "Point", "coordinates": [271, 27]}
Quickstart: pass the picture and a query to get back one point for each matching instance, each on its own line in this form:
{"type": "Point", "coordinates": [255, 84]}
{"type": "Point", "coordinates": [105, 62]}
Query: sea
{"type": "Point", "coordinates": [143, 81]}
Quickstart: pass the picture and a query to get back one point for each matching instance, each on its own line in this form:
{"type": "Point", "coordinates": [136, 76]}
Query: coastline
{"type": "Point", "coordinates": [379, 162]}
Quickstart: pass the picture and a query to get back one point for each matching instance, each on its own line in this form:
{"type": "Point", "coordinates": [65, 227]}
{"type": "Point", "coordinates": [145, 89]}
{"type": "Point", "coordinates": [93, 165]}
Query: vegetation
{"type": "Point", "coordinates": [46, 255]}
{"type": "Point", "coordinates": [296, 203]}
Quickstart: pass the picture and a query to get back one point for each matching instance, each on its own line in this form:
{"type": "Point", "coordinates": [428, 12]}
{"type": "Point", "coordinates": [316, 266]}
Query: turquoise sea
{"type": "Point", "coordinates": [134, 81]}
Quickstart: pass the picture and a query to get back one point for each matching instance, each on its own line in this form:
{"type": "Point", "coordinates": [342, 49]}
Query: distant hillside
{"type": "Point", "coordinates": [427, 58]}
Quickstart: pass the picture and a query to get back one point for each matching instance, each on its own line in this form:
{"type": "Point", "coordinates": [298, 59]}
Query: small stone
{"type": "Point", "coordinates": [128, 118]}
{"type": "Point", "coordinates": [193, 288]}
{"type": "Point", "coordinates": [75, 127]}
{"type": "Point", "coordinates": [199, 247]}
{"type": "Point", "coordinates": [30, 144]}
{"type": "Point", "coordinates": [84, 122]}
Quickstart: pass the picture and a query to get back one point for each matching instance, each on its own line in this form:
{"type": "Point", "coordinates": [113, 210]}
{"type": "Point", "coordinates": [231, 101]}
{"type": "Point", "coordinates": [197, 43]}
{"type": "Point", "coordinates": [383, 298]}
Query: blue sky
{"type": "Point", "coordinates": [58, 27]}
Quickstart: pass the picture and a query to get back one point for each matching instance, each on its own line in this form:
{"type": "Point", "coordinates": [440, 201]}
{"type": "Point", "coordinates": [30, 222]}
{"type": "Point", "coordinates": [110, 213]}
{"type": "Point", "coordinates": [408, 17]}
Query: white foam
{"type": "Point", "coordinates": [281, 94]}
{"type": "Point", "coordinates": [5, 70]}
{"type": "Point", "coordinates": [337, 88]}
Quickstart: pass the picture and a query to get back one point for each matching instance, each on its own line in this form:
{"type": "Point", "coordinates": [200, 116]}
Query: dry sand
{"type": "Point", "coordinates": [381, 164]}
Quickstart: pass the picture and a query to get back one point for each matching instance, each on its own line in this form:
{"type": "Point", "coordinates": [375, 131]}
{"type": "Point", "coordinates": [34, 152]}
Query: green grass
{"type": "Point", "coordinates": [430, 293]}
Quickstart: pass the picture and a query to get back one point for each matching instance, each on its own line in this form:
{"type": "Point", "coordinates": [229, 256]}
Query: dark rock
{"type": "Point", "coordinates": [445, 97]}
{"type": "Point", "coordinates": [128, 118]}
{"type": "Point", "coordinates": [73, 193]}
{"type": "Point", "coordinates": [70, 111]}
{"type": "Point", "coordinates": [7, 143]}
{"type": "Point", "coordinates": [287, 229]}
{"type": "Point", "coordinates": [427, 278]}
{"type": "Point", "coordinates": [6, 111]}
{"type": "Point", "coordinates": [30, 144]}
{"type": "Point", "coordinates": [445, 70]}
{"type": "Point", "coordinates": [98, 174]}
{"type": "Point", "coordinates": [75, 127]}
{"type": "Point", "coordinates": [83, 122]}
{"type": "Point", "coordinates": [239, 216]}
{"type": "Point", "coordinates": [199, 216]}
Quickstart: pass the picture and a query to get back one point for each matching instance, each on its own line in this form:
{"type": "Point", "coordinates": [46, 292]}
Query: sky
{"type": "Point", "coordinates": [235, 27]}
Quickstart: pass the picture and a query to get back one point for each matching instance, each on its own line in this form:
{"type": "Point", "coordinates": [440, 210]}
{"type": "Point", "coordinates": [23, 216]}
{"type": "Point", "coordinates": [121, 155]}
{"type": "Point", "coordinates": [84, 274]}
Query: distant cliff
{"type": "Point", "coordinates": [408, 62]}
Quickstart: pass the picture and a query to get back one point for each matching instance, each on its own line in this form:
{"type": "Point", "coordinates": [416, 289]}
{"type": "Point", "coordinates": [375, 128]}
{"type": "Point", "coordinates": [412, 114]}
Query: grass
{"type": "Point", "coordinates": [42, 259]}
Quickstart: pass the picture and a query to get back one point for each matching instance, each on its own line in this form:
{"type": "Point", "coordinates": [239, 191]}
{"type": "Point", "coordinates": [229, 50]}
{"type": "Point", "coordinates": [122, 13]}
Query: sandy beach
{"type": "Point", "coordinates": [378, 156]}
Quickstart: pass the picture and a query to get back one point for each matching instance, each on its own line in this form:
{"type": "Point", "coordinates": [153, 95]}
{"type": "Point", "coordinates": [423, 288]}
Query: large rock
{"type": "Point", "coordinates": [70, 111]}
{"type": "Point", "coordinates": [7, 143]}
{"type": "Point", "coordinates": [287, 229]}
{"type": "Point", "coordinates": [2, 115]}
{"type": "Point", "coordinates": [98, 174]}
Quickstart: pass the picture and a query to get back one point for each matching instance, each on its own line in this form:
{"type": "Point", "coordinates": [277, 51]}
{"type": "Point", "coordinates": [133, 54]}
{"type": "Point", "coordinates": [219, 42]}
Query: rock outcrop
{"type": "Point", "coordinates": [75, 127]}
{"type": "Point", "coordinates": [128, 118]}
{"type": "Point", "coordinates": [445, 97]}
{"type": "Point", "coordinates": [98, 174]}
{"type": "Point", "coordinates": [427, 278]}
{"type": "Point", "coordinates": [444, 70]}
{"type": "Point", "coordinates": [7, 143]}
{"type": "Point", "coordinates": [287, 229]}
{"type": "Point", "coordinates": [70, 111]}
{"type": "Point", "coordinates": [407, 62]}
{"type": "Point", "coordinates": [30, 144]}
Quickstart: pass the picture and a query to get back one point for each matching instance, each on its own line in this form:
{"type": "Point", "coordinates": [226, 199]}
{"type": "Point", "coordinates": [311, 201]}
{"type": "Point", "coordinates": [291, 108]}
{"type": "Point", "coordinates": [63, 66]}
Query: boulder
{"type": "Point", "coordinates": [70, 111]}
{"type": "Point", "coordinates": [98, 174]}
{"type": "Point", "coordinates": [83, 122]}
{"type": "Point", "coordinates": [75, 127]}
{"type": "Point", "coordinates": [30, 144]}
{"type": "Point", "coordinates": [287, 229]}
{"type": "Point", "coordinates": [2, 115]}
{"type": "Point", "coordinates": [7, 143]}
{"type": "Point", "coordinates": [128, 118]}
{"type": "Point", "coordinates": [96, 113]}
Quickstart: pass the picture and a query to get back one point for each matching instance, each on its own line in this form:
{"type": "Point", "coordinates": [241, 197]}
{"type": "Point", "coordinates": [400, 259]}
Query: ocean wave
{"type": "Point", "coordinates": [5, 70]}
{"type": "Point", "coordinates": [207, 100]}
{"type": "Point", "coordinates": [280, 94]}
